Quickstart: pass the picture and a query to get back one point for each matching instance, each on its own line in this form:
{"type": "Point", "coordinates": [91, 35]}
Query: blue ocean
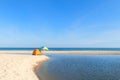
{"type": "Point", "coordinates": [65, 49]}
{"type": "Point", "coordinates": [80, 67]}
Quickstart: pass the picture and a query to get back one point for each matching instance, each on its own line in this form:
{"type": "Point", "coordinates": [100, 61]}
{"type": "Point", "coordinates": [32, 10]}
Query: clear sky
{"type": "Point", "coordinates": [60, 23]}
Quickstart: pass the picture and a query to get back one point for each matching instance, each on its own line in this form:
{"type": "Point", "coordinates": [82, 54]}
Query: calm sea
{"type": "Point", "coordinates": [64, 49]}
{"type": "Point", "coordinates": [80, 67]}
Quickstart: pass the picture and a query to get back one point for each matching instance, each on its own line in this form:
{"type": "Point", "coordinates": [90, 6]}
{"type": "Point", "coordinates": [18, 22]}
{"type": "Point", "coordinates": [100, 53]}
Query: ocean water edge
{"type": "Point", "coordinates": [65, 49]}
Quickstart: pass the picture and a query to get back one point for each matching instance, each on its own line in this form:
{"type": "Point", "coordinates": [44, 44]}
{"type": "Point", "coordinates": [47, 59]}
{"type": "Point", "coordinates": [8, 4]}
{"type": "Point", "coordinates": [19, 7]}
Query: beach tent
{"type": "Point", "coordinates": [36, 52]}
{"type": "Point", "coordinates": [44, 48]}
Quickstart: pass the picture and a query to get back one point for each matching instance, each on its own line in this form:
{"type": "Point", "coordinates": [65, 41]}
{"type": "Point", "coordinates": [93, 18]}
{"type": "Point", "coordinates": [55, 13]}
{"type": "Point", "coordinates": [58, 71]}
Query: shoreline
{"type": "Point", "coordinates": [85, 52]}
{"type": "Point", "coordinates": [22, 65]}
{"type": "Point", "coordinates": [19, 67]}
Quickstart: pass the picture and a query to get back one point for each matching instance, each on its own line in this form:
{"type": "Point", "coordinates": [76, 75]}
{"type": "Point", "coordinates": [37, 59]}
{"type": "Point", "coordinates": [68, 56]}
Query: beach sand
{"type": "Point", "coordinates": [84, 52]}
{"type": "Point", "coordinates": [19, 66]}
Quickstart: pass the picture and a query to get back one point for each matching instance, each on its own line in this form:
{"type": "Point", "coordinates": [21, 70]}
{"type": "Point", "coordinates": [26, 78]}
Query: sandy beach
{"type": "Point", "coordinates": [83, 52]}
{"type": "Point", "coordinates": [19, 66]}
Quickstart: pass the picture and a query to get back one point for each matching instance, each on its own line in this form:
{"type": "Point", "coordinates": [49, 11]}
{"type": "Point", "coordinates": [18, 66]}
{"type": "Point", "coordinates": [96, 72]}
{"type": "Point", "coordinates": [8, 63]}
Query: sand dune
{"type": "Point", "coordinates": [19, 67]}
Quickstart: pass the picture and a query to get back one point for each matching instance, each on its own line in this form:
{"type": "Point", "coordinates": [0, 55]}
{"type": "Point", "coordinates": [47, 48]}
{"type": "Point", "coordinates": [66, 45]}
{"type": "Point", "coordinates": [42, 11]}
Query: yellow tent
{"type": "Point", "coordinates": [36, 52]}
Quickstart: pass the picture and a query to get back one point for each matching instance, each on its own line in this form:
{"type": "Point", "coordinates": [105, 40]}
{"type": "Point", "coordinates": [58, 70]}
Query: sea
{"type": "Point", "coordinates": [80, 67]}
{"type": "Point", "coordinates": [65, 49]}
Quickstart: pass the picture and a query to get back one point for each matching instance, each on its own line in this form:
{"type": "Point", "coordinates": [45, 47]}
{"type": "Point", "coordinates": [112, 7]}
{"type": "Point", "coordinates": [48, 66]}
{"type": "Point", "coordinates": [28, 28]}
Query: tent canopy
{"type": "Point", "coordinates": [44, 48]}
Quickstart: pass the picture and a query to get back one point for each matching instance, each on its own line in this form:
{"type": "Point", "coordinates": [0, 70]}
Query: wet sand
{"type": "Point", "coordinates": [84, 52]}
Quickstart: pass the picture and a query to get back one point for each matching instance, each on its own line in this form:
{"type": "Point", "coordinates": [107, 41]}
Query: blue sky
{"type": "Point", "coordinates": [60, 23]}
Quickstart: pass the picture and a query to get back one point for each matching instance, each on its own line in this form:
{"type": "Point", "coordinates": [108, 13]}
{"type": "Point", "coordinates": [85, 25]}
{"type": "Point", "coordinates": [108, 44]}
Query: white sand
{"type": "Point", "coordinates": [19, 67]}
{"type": "Point", "coordinates": [65, 52]}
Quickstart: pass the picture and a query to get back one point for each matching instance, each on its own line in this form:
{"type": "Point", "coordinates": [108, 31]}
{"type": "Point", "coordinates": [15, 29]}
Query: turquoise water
{"type": "Point", "coordinates": [81, 67]}
{"type": "Point", "coordinates": [64, 49]}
